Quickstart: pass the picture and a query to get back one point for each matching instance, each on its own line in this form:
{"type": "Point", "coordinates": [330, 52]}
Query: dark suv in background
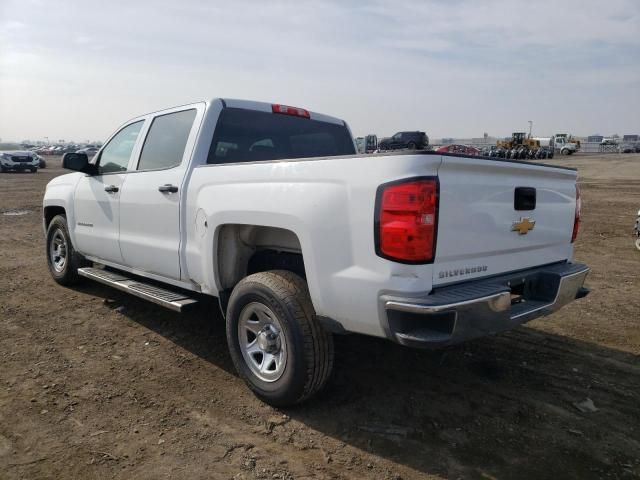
{"type": "Point", "coordinates": [410, 140]}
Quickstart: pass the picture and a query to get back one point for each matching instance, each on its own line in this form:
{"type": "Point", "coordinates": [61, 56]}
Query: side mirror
{"type": "Point", "coordinates": [78, 162]}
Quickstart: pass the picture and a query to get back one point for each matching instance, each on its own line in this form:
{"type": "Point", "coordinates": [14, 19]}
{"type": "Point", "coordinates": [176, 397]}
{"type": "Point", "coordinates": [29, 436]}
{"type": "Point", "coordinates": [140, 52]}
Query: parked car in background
{"type": "Point", "coordinates": [18, 160]}
{"type": "Point", "coordinates": [411, 140]}
{"type": "Point", "coordinates": [455, 148]}
{"type": "Point", "coordinates": [628, 148]}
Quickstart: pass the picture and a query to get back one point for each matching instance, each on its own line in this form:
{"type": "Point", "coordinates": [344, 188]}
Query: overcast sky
{"type": "Point", "coordinates": [77, 69]}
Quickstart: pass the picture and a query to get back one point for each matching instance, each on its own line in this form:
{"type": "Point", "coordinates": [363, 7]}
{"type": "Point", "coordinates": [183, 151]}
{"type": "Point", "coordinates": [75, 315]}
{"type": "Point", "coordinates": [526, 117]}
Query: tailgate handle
{"type": "Point", "coordinates": [524, 198]}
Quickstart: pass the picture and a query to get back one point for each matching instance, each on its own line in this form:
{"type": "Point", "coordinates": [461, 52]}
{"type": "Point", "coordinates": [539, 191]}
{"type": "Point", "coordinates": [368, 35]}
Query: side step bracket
{"type": "Point", "coordinates": [176, 301]}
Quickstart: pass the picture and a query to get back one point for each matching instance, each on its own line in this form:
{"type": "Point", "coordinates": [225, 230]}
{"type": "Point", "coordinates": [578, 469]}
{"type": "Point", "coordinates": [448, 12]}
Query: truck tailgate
{"type": "Point", "coordinates": [480, 231]}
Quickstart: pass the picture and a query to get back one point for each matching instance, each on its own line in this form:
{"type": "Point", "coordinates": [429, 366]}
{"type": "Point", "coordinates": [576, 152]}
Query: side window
{"type": "Point", "coordinates": [397, 136]}
{"type": "Point", "coordinates": [166, 140]}
{"type": "Point", "coordinates": [115, 155]}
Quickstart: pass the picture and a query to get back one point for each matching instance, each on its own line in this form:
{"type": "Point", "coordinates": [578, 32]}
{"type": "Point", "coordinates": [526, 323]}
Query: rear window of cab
{"type": "Point", "coordinates": [244, 135]}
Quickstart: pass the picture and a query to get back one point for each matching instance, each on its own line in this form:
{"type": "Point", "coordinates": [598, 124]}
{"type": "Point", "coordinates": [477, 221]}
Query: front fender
{"type": "Point", "coordinates": [59, 193]}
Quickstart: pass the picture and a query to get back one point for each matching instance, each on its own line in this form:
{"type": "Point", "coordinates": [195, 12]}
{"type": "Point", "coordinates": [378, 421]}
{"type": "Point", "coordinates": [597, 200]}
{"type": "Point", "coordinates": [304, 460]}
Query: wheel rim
{"type": "Point", "coordinates": [262, 342]}
{"type": "Point", "coordinates": [58, 251]}
{"type": "Point", "coordinates": [638, 243]}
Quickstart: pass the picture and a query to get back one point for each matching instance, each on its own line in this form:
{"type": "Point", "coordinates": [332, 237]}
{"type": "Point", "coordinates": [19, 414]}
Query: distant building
{"type": "Point", "coordinates": [630, 138]}
{"type": "Point", "coordinates": [595, 138]}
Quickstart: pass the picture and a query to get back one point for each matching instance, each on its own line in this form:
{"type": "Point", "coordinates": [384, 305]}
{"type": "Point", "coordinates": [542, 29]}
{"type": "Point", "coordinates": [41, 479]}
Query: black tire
{"type": "Point", "coordinates": [33, 170]}
{"type": "Point", "coordinates": [309, 348]}
{"type": "Point", "coordinates": [66, 274]}
{"type": "Point", "coordinates": [411, 146]}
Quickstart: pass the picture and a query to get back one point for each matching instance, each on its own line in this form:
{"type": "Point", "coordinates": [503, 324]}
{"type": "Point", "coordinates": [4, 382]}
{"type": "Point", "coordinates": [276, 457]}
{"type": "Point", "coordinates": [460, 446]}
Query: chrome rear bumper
{"type": "Point", "coordinates": [474, 309]}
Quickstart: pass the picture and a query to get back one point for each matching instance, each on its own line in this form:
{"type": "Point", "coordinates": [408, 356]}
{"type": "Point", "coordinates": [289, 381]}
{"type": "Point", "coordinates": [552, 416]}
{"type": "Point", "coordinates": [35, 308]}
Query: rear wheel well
{"type": "Point", "coordinates": [246, 249]}
{"type": "Point", "coordinates": [50, 212]}
{"type": "Point", "coordinates": [265, 260]}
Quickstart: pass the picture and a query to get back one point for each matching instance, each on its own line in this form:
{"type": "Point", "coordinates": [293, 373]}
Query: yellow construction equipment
{"type": "Point", "coordinates": [519, 146]}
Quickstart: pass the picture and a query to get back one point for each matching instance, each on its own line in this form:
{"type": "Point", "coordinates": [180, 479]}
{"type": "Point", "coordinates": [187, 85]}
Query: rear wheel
{"type": "Point", "coordinates": [277, 346]}
{"type": "Point", "coordinates": [411, 146]}
{"type": "Point", "coordinates": [62, 258]}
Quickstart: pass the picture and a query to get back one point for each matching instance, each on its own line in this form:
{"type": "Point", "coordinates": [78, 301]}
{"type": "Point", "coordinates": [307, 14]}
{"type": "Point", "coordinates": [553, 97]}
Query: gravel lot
{"type": "Point", "coordinates": [96, 384]}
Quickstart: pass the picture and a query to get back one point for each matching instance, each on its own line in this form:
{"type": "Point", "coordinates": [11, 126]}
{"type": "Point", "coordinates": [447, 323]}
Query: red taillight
{"type": "Point", "coordinates": [407, 217]}
{"type": "Point", "coordinates": [576, 219]}
{"type": "Point", "coordinates": [287, 110]}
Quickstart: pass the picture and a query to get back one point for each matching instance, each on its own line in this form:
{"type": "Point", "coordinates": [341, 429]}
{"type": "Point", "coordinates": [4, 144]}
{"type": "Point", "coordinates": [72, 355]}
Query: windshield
{"type": "Point", "coordinates": [243, 135]}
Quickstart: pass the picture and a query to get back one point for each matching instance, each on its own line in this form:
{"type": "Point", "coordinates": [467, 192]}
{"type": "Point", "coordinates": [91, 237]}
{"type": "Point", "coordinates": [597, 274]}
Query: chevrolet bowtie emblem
{"type": "Point", "coordinates": [524, 226]}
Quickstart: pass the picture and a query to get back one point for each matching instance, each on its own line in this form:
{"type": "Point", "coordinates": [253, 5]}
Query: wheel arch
{"type": "Point", "coordinates": [50, 211]}
{"type": "Point", "coordinates": [243, 249]}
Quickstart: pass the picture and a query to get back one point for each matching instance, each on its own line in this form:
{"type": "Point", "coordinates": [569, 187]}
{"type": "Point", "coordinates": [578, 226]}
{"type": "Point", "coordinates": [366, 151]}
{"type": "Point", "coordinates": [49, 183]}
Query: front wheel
{"type": "Point", "coordinates": [277, 346]}
{"type": "Point", "coordinates": [62, 258]}
{"type": "Point", "coordinates": [638, 243]}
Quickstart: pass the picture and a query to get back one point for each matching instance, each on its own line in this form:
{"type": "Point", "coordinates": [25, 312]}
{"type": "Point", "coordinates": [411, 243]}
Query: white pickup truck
{"type": "Point", "coordinates": [269, 209]}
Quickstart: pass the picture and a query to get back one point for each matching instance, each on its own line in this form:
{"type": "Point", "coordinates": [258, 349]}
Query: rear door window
{"type": "Point", "coordinates": [244, 135]}
{"type": "Point", "coordinates": [167, 138]}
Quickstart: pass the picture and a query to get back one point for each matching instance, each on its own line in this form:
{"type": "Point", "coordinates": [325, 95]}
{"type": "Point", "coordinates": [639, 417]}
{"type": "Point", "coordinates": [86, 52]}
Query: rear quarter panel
{"type": "Point", "coordinates": [329, 205]}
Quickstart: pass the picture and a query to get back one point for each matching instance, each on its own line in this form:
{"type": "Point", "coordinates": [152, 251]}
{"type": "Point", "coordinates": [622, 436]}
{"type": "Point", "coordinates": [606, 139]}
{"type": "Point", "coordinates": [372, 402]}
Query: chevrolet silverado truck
{"type": "Point", "coordinates": [269, 209]}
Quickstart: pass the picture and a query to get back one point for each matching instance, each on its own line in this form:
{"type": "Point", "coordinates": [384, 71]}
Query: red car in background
{"type": "Point", "coordinates": [454, 148]}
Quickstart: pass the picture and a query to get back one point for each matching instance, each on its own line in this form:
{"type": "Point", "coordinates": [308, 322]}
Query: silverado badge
{"type": "Point", "coordinates": [524, 226]}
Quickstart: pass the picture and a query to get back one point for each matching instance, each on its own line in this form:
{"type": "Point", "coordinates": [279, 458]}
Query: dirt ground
{"type": "Point", "coordinates": [96, 384]}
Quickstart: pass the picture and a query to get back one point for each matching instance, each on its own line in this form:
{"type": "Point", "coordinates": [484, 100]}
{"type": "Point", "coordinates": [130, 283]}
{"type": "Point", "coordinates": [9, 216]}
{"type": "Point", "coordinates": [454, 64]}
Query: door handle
{"type": "Point", "coordinates": [111, 189]}
{"type": "Point", "coordinates": [167, 188]}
